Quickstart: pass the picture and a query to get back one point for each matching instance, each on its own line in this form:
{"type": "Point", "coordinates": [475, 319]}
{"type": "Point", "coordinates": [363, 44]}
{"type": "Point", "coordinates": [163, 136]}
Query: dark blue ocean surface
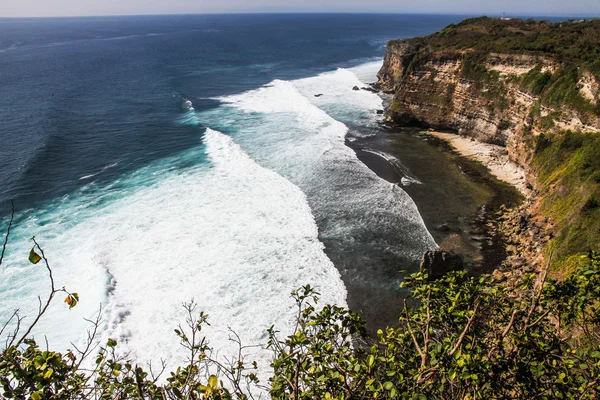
{"type": "Point", "coordinates": [80, 94]}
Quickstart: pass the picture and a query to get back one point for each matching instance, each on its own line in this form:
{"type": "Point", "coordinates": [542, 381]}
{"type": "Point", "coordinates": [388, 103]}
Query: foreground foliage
{"type": "Point", "coordinates": [463, 338]}
{"type": "Point", "coordinates": [466, 339]}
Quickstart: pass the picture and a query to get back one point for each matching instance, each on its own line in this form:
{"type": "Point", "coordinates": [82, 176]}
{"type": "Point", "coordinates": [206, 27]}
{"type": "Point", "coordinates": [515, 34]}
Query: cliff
{"type": "Point", "coordinates": [519, 84]}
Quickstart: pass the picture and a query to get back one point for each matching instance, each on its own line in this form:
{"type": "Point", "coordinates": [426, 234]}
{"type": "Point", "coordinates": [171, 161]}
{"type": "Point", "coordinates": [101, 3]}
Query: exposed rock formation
{"type": "Point", "coordinates": [509, 83]}
{"type": "Point", "coordinates": [439, 262]}
{"type": "Point", "coordinates": [489, 96]}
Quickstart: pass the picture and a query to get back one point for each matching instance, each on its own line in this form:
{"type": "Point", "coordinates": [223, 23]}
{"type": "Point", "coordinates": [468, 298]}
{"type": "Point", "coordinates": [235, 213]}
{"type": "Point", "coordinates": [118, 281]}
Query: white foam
{"type": "Point", "coordinates": [87, 177]}
{"type": "Point", "coordinates": [398, 166]}
{"type": "Point", "coordinates": [234, 236]}
{"type": "Point", "coordinates": [289, 130]}
{"type": "Point", "coordinates": [367, 72]}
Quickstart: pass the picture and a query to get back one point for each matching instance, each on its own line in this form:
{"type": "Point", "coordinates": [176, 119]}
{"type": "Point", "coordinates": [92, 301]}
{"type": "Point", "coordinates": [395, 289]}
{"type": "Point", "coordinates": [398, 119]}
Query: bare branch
{"type": "Point", "coordinates": [464, 332]}
{"type": "Point", "coordinates": [12, 218]}
{"type": "Point", "coordinates": [53, 292]}
{"type": "Point", "coordinates": [536, 298]}
{"type": "Point", "coordinates": [426, 338]}
{"type": "Point", "coordinates": [91, 338]}
{"type": "Point", "coordinates": [14, 314]}
{"type": "Point", "coordinates": [411, 332]}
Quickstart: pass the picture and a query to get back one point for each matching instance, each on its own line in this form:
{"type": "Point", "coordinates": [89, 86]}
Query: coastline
{"type": "Point", "coordinates": [494, 157]}
{"type": "Point", "coordinates": [458, 195]}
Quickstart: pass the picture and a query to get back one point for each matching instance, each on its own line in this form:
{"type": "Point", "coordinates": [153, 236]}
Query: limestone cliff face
{"type": "Point", "coordinates": [487, 96]}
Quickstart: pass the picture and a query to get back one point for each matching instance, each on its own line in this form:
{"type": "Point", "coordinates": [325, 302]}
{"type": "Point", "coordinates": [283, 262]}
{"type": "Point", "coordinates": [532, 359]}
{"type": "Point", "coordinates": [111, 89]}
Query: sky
{"type": "Point", "coordinates": [48, 8]}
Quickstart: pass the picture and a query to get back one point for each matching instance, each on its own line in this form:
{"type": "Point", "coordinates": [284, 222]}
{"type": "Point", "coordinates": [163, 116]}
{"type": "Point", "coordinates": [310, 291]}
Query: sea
{"type": "Point", "coordinates": [160, 160]}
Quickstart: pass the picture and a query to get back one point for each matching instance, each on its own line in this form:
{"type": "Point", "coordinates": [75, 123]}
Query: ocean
{"type": "Point", "coordinates": [161, 159]}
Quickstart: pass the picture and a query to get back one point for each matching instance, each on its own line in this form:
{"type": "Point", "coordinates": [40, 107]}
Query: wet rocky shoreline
{"type": "Point", "coordinates": [460, 201]}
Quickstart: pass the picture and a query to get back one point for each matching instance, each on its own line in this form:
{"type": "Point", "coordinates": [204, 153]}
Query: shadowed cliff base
{"type": "Point", "coordinates": [532, 87]}
{"type": "Point", "coordinates": [456, 196]}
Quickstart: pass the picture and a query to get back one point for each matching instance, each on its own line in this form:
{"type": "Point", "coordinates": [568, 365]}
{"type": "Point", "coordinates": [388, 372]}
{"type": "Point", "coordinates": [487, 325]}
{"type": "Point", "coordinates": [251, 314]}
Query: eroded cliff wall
{"type": "Point", "coordinates": [531, 86]}
{"type": "Point", "coordinates": [502, 98]}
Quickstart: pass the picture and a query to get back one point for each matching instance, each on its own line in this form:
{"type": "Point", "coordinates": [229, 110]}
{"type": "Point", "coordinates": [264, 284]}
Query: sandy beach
{"type": "Point", "coordinates": [494, 157]}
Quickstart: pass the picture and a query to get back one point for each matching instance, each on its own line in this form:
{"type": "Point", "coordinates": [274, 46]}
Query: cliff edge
{"type": "Point", "coordinates": [531, 86]}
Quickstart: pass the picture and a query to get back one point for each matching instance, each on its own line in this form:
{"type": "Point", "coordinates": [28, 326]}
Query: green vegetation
{"type": "Point", "coordinates": [535, 80]}
{"type": "Point", "coordinates": [566, 164]}
{"type": "Point", "coordinates": [536, 110]}
{"type": "Point", "coordinates": [562, 89]}
{"type": "Point", "coordinates": [396, 106]}
{"type": "Point", "coordinates": [568, 168]}
{"type": "Point", "coordinates": [465, 338]}
{"type": "Point", "coordinates": [573, 41]}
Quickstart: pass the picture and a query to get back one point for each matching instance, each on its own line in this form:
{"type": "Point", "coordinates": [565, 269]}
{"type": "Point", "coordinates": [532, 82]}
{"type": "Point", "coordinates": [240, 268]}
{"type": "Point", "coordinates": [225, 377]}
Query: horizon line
{"type": "Point", "coordinates": [466, 14]}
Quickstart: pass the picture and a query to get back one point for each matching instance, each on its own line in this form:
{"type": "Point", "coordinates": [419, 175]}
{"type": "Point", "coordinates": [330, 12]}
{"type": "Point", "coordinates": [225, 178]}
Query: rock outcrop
{"type": "Point", "coordinates": [438, 263]}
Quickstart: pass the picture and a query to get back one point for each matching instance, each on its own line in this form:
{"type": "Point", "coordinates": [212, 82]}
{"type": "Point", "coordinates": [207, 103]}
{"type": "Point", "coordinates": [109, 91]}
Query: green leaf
{"type": "Point", "coordinates": [34, 257]}
{"type": "Point", "coordinates": [370, 360]}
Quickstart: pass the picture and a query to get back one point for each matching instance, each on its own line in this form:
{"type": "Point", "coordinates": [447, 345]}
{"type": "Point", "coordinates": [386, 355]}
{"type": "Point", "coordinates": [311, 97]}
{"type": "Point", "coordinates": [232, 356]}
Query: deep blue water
{"type": "Point", "coordinates": [79, 94]}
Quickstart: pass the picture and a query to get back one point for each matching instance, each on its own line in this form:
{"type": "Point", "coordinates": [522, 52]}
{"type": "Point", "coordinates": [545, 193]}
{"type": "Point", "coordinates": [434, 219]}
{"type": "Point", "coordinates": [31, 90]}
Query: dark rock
{"type": "Point", "coordinates": [379, 112]}
{"type": "Point", "coordinates": [370, 89]}
{"type": "Point", "coordinates": [439, 262]}
{"type": "Point", "coordinates": [319, 95]}
{"type": "Point", "coordinates": [443, 228]}
{"type": "Point", "coordinates": [355, 88]}
{"type": "Point", "coordinates": [523, 222]}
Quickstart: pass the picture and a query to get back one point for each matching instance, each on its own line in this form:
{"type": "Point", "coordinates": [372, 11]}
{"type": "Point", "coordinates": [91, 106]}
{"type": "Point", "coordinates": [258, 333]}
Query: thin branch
{"type": "Point", "coordinates": [426, 339]}
{"type": "Point", "coordinates": [411, 332]}
{"type": "Point", "coordinates": [504, 333]}
{"type": "Point", "coordinates": [536, 298]}
{"type": "Point", "coordinates": [537, 321]}
{"type": "Point", "coordinates": [53, 292]}
{"type": "Point", "coordinates": [138, 381]}
{"type": "Point", "coordinates": [156, 377]}
{"type": "Point", "coordinates": [588, 387]}
{"type": "Point", "coordinates": [14, 314]}
{"type": "Point", "coordinates": [83, 354]}
{"type": "Point", "coordinates": [12, 218]}
{"type": "Point", "coordinates": [510, 325]}
{"type": "Point", "coordinates": [464, 332]}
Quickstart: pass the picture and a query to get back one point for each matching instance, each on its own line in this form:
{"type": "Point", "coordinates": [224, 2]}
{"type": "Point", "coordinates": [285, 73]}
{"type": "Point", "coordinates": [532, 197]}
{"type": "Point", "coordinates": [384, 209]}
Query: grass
{"type": "Point", "coordinates": [535, 81]}
{"type": "Point", "coordinates": [568, 169]}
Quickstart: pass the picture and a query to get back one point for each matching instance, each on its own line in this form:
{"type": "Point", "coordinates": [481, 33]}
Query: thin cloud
{"type": "Point", "coordinates": [44, 8]}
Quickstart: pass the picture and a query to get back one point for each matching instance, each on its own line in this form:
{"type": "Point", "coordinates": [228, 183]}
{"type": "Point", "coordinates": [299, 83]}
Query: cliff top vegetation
{"type": "Point", "coordinates": [570, 41]}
